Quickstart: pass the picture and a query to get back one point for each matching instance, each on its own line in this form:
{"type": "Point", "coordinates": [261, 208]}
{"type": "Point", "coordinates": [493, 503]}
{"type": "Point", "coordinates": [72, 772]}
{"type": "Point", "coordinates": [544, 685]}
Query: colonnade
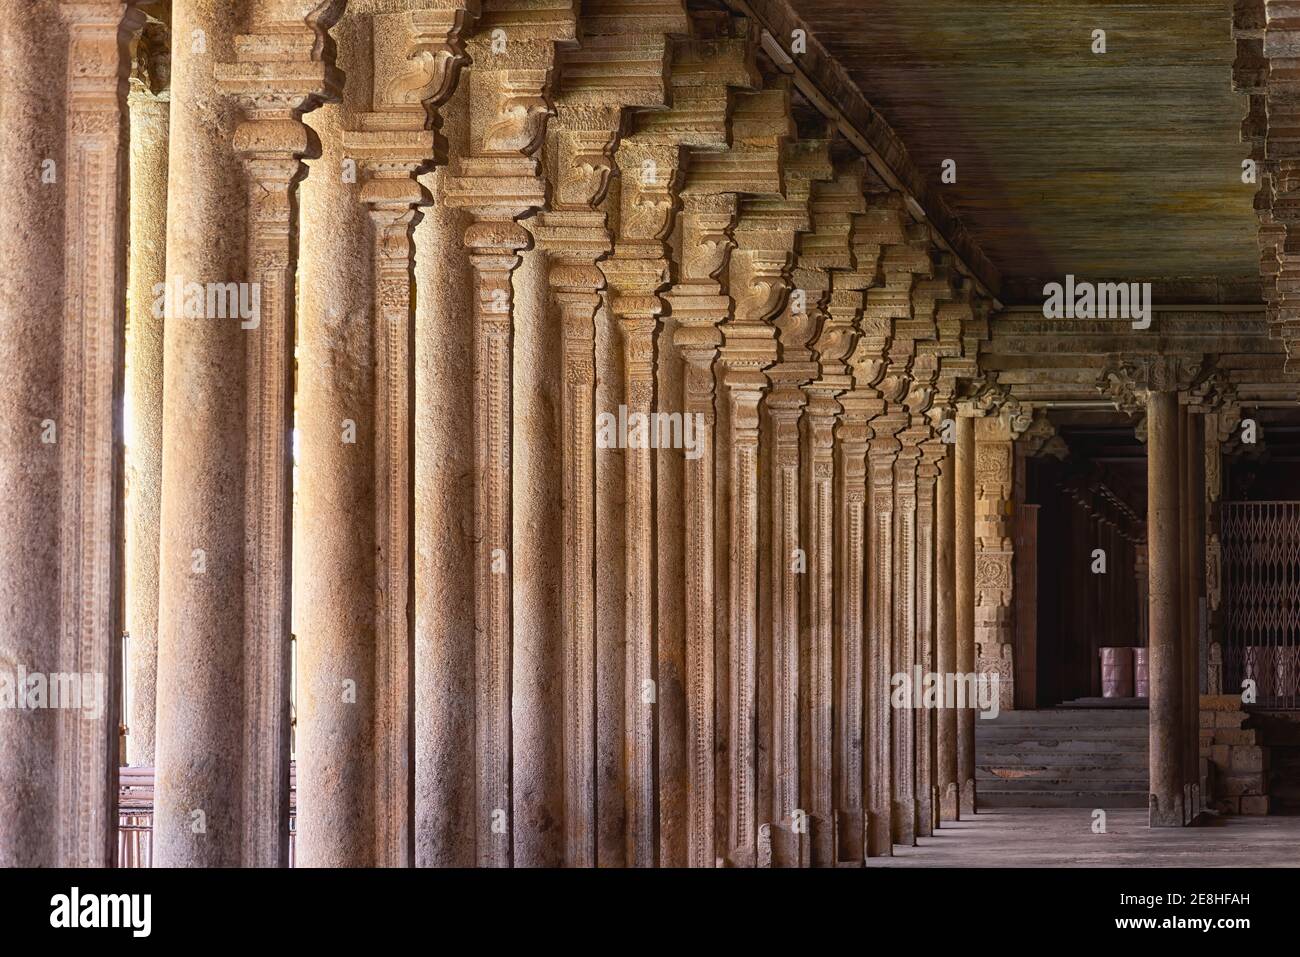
{"type": "Point", "coordinates": [504, 255]}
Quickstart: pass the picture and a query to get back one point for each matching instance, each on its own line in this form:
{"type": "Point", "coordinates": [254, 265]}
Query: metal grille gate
{"type": "Point", "coordinates": [1261, 592]}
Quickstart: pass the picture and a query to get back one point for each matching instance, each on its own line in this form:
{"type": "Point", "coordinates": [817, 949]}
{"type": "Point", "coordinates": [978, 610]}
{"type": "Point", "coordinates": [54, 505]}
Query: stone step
{"type": "Point", "coordinates": [1107, 800]}
{"type": "Point", "coordinates": [1059, 782]}
{"type": "Point", "coordinates": [1071, 758]}
{"type": "Point", "coordinates": [1015, 737]}
{"type": "Point", "coordinates": [1083, 775]}
{"type": "Point", "coordinates": [1080, 717]}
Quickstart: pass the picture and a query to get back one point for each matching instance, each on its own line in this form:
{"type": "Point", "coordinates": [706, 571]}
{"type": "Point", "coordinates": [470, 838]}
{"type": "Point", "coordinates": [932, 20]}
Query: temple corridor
{"type": "Point", "coordinates": [648, 433]}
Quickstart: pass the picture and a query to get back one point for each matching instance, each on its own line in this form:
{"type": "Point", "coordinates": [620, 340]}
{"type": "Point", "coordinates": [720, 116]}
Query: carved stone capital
{"type": "Point", "coordinates": [1128, 381]}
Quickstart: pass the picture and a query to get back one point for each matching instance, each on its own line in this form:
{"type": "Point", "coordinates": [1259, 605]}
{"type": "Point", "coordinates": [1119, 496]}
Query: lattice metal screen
{"type": "Point", "coordinates": [1261, 592]}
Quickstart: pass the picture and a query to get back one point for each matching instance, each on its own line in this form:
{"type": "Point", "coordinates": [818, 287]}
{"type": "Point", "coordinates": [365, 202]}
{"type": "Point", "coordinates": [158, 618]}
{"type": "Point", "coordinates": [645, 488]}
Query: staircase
{"type": "Point", "coordinates": [1062, 757]}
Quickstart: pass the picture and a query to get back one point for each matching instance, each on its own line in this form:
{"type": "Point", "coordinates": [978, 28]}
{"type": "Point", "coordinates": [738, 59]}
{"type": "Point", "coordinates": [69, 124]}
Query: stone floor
{"type": "Point", "coordinates": [1063, 837]}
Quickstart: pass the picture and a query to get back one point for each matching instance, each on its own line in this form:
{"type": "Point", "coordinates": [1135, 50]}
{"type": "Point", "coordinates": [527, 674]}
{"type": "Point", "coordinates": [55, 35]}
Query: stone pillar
{"type": "Point", "coordinates": [788, 560]}
{"type": "Point", "coordinates": [823, 604]}
{"type": "Point", "coordinates": [1194, 574]}
{"type": "Point", "coordinates": [355, 422]}
{"type": "Point", "coordinates": [993, 553]}
{"type": "Point", "coordinates": [700, 305]}
{"type": "Point", "coordinates": [637, 273]}
{"type": "Point", "coordinates": [335, 589]}
{"type": "Point", "coordinates": [964, 612]}
{"type": "Point", "coordinates": [62, 293]}
{"type": "Point", "coordinates": [927, 789]}
{"type": "Point", "coordinates": [748, 348]}
{"type": "Point", "coordinates": [903, 654]}
{"type": "Point", "coordinates": [446, 771]}
{"type": "Point", "coordinates": [1165, 664]}
{"type": "Point", "coordinates": [201, 635]}
{"type": "Point", "coordinates": [851, 551]}
{"type": "Point", "coordinates": [149, 104]}
{"type": "Point", "coordinates": [881, 455]}
{"type": "Point", "coordinates": [33, 171]}
{"type": "Point", "coordinates": [787, 568]}
{"type": "Point", "coordinates": [574, 236]}
{"type": "Point", "coordinates": [945, 548]}
{"type": "Point", "coordinates": [224, 615]}
{"type": "Point", "coordinates": [498, 179]}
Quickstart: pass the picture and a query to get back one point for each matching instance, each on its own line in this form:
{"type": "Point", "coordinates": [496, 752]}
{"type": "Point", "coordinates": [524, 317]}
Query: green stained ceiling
{"type": "Point", "coordinates": [1125, 164]}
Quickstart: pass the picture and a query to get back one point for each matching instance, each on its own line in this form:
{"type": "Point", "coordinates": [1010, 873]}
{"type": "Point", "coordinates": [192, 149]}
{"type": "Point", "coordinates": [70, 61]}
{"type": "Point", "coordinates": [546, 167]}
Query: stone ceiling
{"type": "Point", "coordinates": [1125, 164]}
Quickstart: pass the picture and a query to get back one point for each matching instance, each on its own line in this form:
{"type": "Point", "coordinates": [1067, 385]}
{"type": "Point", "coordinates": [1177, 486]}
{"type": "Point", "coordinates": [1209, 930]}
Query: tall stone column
{"type": "Point", "coordinates": [927, 719]}
{"type": "Point", "coordinates": [882, 452]}
{"type": "Point", "coordinates": [620, 65]}
{"type": "Point", "coordinates": [824, 585]}
{"type": "Point", "coordinates": [149, 104]}
{"type": "Point", "coordinates": [851, 603]}
{"type": "Point", "coordinates": [574, 236]}
{"type": "Point", "coordinates": [446, 771]}
{"type": "Point", "coordinates": [637, 273]}
{"type": "Point", "coordinates": [33, 170]}
{"type": "Point", "coordinates": [1193, 522]}
{"type": "Point", "coordinates": [700, 304]}
{"type": "Point", "coordinates": [498, 179]}
{"type": "Point", "coordinates": [62, 290]}
{"type": "Point", "coordinates": [355, 420]}
{"type": "Point", "coordinates": [748, 348]}
{"type": "Point", "coordinates": [903, 654]}
{"type": "Point", "coordinates": [945, 548]}
{"type": "Point", "coordinates": [1166, 659]}
{"type": "Point", "coordinates": [827, 260]}
{"type": "Point", "coordinates": [224, 616]}
{"type": "Point", "coordinates": [964, 611]}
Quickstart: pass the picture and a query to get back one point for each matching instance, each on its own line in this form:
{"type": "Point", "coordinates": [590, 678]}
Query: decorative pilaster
{"type": "Point", "coordinates": [825, 253]}
{"type": "Point", "coordinates": [759, 270]}
{"type": "Point", "coordinates": [964, 612]}
{"type": "Point", "coordinates": [279, 71]}
{"type": "Point", "coordinates": [636, 273]}
{"type": "Point", "coordinates": [881, 456]}
{"type": "Point", "coordinates": [498, 180]}
{"type": "Point", "coordinates": [620, 64]}
{"type": "Point", "coordinates": [945, 587]}
{"type": "Point", "coordinates": [89, 433]}
{"type": "Point", "coordinates": [354, 613]}
{"type": "Point", "coordinates": [995, 436]}
{"type": "Point", "coordinates": [701, 305]}
{"type": "Point", "coordinates": [927, 719]}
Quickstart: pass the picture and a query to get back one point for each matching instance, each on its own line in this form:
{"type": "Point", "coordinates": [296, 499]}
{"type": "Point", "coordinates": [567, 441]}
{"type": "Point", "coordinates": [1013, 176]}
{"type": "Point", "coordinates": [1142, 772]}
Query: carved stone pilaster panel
{"type": "Point", "coordinates": [283, 67]}
{"type": "Point", "coordinates": [90, 522]}
{"type": "Point", "coordinates": [494, 255]}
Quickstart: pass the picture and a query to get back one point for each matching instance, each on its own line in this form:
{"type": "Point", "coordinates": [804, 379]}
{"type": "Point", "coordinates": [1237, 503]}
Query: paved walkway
{"type": "Point", "coordinates": [1063, 837]}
